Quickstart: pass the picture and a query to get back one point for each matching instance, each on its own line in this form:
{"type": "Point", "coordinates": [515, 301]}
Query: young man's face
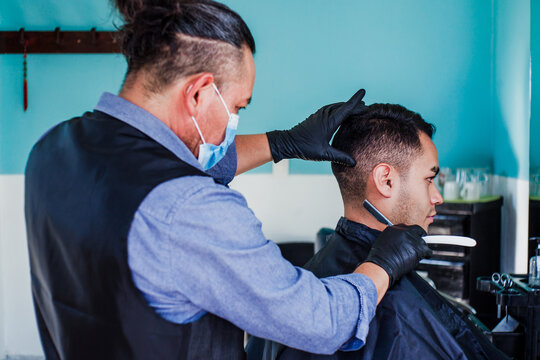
{"type": "Point", "coordinates": [418, 194]}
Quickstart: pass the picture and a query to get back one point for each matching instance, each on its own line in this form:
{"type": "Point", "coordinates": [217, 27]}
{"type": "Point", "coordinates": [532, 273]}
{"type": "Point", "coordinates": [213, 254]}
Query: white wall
{"type": "Point", "coordinates": [515, 223]}
{"type": "Point", "coordinates": [291, 207]}
{"type": "Point", "coordinates": [2, 290]}
{"type": "Point", "coordinates": [18, 325]}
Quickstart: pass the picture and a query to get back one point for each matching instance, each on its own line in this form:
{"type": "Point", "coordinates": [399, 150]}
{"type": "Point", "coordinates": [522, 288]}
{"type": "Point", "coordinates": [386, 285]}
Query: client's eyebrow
{"type": "Point", "coordinates": [435, 169]}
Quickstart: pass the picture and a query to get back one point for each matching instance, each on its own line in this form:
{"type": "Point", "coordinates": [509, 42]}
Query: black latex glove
{"type": "Point", "coordinates": [399, 249]}
{"type": "Point", "coordinates": [310, 139]}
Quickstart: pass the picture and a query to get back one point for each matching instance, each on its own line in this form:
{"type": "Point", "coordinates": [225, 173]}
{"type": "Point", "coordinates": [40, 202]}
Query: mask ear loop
{"type": "Point", "coordinates": [221, 98]}
{"type": "Point", "coordinates": [195, 122]}
{"type": "Point", "coordinates": [222, 101]}
{"type": "Point", "coordinates": [198, 129]}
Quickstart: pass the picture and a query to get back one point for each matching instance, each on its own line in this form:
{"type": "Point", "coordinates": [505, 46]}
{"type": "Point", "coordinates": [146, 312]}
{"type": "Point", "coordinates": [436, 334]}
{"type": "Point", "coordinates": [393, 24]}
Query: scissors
{"type": "Point", "coordinates": [503, 280]}
{"type": "Point", "coordinates": [506, 282]}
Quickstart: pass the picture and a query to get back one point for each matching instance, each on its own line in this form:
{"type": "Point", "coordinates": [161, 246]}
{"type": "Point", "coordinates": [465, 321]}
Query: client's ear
{"type": "Point", "coordinates": [385, 178]}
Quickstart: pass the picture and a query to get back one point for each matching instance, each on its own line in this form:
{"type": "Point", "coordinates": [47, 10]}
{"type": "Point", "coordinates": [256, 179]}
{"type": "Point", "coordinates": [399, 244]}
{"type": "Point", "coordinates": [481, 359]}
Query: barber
{"type": "Point", "coordinates": [138, 250]}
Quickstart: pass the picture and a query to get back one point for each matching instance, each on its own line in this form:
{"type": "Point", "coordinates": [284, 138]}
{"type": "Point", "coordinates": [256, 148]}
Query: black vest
{"type": "Point", "coordinates": [84, 182]}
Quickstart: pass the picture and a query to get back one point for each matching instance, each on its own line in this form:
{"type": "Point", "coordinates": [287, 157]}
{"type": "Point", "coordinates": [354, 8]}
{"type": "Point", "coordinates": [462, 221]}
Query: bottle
{"type": "Point", "coordinates": [534, 267]}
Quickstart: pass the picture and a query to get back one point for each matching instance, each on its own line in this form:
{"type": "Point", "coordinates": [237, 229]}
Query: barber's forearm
{"type": "Point", "coordinates": [377, 274]}
{"type": "Point", "coordinates": [252, 151]}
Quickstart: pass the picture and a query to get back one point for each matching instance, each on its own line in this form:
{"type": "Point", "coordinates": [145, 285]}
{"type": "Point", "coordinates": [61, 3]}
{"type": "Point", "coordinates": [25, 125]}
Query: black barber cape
{"type": "Point", "coordinates": [411, 322]}
{"type": "Point", "coordinates": [84, 182]}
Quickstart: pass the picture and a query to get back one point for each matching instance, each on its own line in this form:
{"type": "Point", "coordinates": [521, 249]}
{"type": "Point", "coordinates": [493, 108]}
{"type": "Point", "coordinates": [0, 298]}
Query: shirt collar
{"type": "Point", "coordinates": [147, 123]}
{"type": "Point", "coordinates": [358, 232]}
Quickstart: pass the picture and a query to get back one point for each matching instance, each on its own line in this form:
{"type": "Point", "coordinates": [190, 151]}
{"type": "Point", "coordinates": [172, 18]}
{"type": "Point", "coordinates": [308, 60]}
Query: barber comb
{"type": "Point", "coordinates": [429, 239]}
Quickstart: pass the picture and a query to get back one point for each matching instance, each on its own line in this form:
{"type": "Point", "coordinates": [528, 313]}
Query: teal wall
{"type": "Point", "coordinates": [535, 84]}
{"type": "Point", "coordinates": [59, 86]}
{"type": "Point", "coordinates": [512, 105]}
{"type": "Point", "coordinates": [433, 56]}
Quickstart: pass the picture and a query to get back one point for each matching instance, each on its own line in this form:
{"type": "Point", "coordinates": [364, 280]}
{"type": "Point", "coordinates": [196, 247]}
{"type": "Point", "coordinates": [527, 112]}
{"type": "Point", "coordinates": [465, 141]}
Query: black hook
{"type": "Point", "coordinates": [57, 34]}
{"type": "Point", "coordinates": [21, 36]}
{"type": "Point", "coordinates": [93, 35]}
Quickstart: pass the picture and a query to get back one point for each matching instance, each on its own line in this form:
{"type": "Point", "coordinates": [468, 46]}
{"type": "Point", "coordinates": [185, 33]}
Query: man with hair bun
{"type": "Point", "coordinates": [139, 250]}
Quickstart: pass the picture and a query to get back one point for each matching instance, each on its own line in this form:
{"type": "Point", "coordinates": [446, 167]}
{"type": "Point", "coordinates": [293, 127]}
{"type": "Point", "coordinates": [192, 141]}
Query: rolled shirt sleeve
{"type": "Point", "coordinates": [367, 293]}
{"type": "Point", "coordinates": [203, 250]}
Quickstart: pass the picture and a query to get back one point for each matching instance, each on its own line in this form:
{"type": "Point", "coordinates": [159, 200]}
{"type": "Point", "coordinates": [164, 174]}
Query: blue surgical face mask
{"type": "Point", "coordinates": [210, 154]}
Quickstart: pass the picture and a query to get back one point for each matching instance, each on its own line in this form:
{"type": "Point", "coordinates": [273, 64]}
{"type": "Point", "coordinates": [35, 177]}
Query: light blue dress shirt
{"type": "Point", "coordinates": [195, 247]}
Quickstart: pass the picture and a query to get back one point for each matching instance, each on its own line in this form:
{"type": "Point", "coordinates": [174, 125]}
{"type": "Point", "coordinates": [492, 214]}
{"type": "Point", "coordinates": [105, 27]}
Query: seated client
{"type": "Point", "coordinates": [396, 164]}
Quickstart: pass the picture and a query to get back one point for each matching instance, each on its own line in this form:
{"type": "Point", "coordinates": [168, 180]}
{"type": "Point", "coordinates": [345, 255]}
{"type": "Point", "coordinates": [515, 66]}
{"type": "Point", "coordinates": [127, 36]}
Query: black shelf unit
{"type": "Point", "coordinates": [522, 303]}
{"type": "Point", "coordinates": [455, 269]}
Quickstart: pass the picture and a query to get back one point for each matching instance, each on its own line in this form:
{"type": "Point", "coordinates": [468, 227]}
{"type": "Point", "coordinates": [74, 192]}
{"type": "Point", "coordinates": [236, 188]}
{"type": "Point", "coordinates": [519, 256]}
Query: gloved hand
{"type": "Point", "coordinates": [399, 249]}
{"type": "Point", "coordinates": [310, 139]}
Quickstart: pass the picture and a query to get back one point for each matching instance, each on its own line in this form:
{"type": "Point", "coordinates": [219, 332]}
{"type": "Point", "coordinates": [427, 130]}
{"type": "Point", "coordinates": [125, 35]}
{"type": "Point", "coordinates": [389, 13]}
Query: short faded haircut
{"type": "Point", "coordinates": [383, 133]}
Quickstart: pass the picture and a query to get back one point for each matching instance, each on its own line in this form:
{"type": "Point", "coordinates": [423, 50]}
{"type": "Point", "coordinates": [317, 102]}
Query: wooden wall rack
{"type": "Point", "coordinates": [59, 42]}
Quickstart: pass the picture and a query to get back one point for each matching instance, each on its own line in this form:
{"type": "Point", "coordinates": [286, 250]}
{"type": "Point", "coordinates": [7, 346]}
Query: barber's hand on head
{"type": "Point", "coordinates": [399, 249]}
{"type": "Point", "coordinates": [310, 139]}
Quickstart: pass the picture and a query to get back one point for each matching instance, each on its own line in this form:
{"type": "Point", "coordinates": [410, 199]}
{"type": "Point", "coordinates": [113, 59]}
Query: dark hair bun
{"type": "Point", "coordinates": [170, 36]}
{"type": "Point", "coordinates": [129, 9]}
{"type": "Point", "coordinates": [205, 19]}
